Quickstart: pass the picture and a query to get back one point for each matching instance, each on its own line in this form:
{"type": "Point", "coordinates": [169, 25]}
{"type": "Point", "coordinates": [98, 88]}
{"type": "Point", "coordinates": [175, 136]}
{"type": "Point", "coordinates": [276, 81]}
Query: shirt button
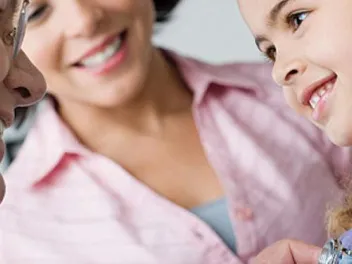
{"type": "Point", "coordinates": [244, 214]}
{"type": "Point", "coordinates": [198, 235]}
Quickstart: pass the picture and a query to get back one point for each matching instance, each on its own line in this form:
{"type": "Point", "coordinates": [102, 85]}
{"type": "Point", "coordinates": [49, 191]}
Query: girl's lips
{"type": "Point", "coordinates": [305, 97]}
{"type": "Point", "coordinates": [322, 107]}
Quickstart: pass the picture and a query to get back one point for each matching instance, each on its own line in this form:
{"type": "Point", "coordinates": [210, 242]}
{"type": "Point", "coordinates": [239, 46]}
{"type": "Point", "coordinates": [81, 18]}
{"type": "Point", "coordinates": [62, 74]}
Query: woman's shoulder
{"type": "Point", "coordinates": [233, 73]}
{"type": "Point", "coordinates": [250, 69]}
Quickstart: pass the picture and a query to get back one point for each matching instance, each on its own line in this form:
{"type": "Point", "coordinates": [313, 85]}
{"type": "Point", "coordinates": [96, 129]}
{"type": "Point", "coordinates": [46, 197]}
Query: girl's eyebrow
{"type": "Point", "coordinates": [272, 18]}
{"type": "Point", "coordinates": [276, 10]}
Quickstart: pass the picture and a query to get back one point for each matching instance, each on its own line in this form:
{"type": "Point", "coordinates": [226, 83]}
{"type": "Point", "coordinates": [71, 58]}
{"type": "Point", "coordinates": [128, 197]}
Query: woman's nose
{"type": "Point", "coordinates": [84, 19]}
{"type": "Point", "coordinates": [24, 81]}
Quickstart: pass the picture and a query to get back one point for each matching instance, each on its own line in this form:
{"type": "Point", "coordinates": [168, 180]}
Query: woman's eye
{"type": "Point", "coordinates": [296, 19]}
{"type": "Point", "coordinates": [36, 13]}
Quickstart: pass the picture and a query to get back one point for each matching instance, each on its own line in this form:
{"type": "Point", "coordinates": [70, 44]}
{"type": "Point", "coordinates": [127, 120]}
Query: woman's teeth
{"type": "Point", "coordinates": [2, 128]}
{"type": "Point", "coordinates": [102, 56]}
{"type": "Point", "coordinates": [318, 94]}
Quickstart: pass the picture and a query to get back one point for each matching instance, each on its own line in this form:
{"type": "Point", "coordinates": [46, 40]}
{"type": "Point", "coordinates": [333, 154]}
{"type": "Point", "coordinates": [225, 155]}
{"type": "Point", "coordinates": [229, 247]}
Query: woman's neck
{"type": "Point", "coordinates": [164, 95]}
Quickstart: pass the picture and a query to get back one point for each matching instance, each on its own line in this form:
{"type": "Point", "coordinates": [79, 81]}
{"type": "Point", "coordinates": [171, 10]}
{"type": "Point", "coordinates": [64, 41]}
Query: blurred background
{"type": "Point", "coordinates": [201, 29]}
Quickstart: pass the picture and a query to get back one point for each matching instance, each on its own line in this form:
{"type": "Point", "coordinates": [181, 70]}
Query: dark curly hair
{"type": "Point", "coordinates": [163, 10]}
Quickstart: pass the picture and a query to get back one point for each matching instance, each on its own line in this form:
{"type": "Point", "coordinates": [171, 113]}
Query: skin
{"type": "Point", "coordinates": [308, 41]}
{"type": "Point", "coordinates": [289, 252]}
{"type": "Point", "coordinates": [309, 46]}
{"type": "Point", "coordinates": [14, 73]}
{"type": "Point", "coordinates": [130, 105]}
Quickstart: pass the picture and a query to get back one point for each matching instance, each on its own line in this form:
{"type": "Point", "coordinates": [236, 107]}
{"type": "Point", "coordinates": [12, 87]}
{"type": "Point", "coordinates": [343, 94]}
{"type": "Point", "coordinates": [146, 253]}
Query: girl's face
{"type": "Point", "coordinates": [21, 83]}
{"type": "Point", "coordinates": [309, 43]}
{"type": "Point", "coordinates": [92, 52]}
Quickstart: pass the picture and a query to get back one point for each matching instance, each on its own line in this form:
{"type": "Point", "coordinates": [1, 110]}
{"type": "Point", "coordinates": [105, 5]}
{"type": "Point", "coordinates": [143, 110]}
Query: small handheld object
{"type": "Point", "coordinates": [337, 251]}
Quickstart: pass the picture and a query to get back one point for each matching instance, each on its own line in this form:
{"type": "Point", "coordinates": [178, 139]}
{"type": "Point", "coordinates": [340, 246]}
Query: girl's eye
{"type": "Point", "coordinates": [296, 19]}
{"type": "Point", "coordinates": [270, 53]}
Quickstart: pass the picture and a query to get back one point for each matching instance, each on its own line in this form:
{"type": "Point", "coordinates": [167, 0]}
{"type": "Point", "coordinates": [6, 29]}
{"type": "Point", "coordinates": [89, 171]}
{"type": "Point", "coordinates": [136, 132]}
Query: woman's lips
{"type": "Point", "coordinates": [106, 58]}
{"type": "Point", "coordinates": [6, 120]}
{"type": "Point", "coordinates": [2, 149]}
{"type": "Point", "coordinates": [101, 46]}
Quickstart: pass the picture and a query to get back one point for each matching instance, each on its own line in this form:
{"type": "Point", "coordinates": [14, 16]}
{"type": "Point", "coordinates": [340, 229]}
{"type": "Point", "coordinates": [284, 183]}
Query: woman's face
{"type": "Point", "coordinates": [21, 83]}
{"type": "Point", "coordinates": [91, 52]}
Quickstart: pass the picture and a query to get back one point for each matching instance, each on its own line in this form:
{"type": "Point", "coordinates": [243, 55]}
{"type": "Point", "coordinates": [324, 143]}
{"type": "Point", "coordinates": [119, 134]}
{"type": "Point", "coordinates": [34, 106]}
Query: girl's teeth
{"type": "Point", "coordinates": [318, 94]}
{"type": "Point", "coordinates": [314, 100]}
{"type": "Point", "coordinates": [103, 56]}
{"type": "Point", "coordinates": [329, 86]}
{"type": "Point", "coordinates": [2, 128]}
{"type": "Point", "coordinates": [321, 91]}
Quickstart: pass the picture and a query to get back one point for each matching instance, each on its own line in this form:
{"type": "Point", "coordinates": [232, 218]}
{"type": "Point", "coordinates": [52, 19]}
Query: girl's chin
{"type": "Point", "coordinates": [342, 138]}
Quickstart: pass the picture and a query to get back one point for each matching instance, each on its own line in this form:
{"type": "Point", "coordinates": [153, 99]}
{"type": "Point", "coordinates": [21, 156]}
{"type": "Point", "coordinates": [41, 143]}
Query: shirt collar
{"type": "Point", "coordinates": [245, 76]}
{"type": "Point", "coordinates": [57, 142]}
{"type": "Point", "coordinates": [54, 142]}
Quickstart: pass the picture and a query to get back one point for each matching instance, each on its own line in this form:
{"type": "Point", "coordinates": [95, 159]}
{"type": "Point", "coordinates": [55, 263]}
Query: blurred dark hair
{"type": "Point", "coordinates": [163, 9]}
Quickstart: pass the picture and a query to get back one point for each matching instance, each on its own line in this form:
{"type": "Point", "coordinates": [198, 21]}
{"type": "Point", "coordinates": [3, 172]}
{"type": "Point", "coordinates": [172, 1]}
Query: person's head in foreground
{"type": "Point", "coordinates": [21, 83]}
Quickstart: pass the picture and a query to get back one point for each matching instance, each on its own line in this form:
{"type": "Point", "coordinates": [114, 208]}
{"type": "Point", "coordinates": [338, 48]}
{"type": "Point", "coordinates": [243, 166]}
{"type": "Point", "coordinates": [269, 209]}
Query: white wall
{"type": "Point", "coordinates": [211, 30]}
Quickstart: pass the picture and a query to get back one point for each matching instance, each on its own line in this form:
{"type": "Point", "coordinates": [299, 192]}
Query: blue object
{"type": "Point", "coordinates": [216, 215]}
{"type": "Point", "coordinates": [346, 239]}
{"type": "Point", "coordinates": [346, 260]}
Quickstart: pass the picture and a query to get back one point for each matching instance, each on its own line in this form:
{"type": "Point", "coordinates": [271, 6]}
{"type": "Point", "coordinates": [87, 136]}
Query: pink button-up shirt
{"type": "Point", "coordinates": [67, 205]}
